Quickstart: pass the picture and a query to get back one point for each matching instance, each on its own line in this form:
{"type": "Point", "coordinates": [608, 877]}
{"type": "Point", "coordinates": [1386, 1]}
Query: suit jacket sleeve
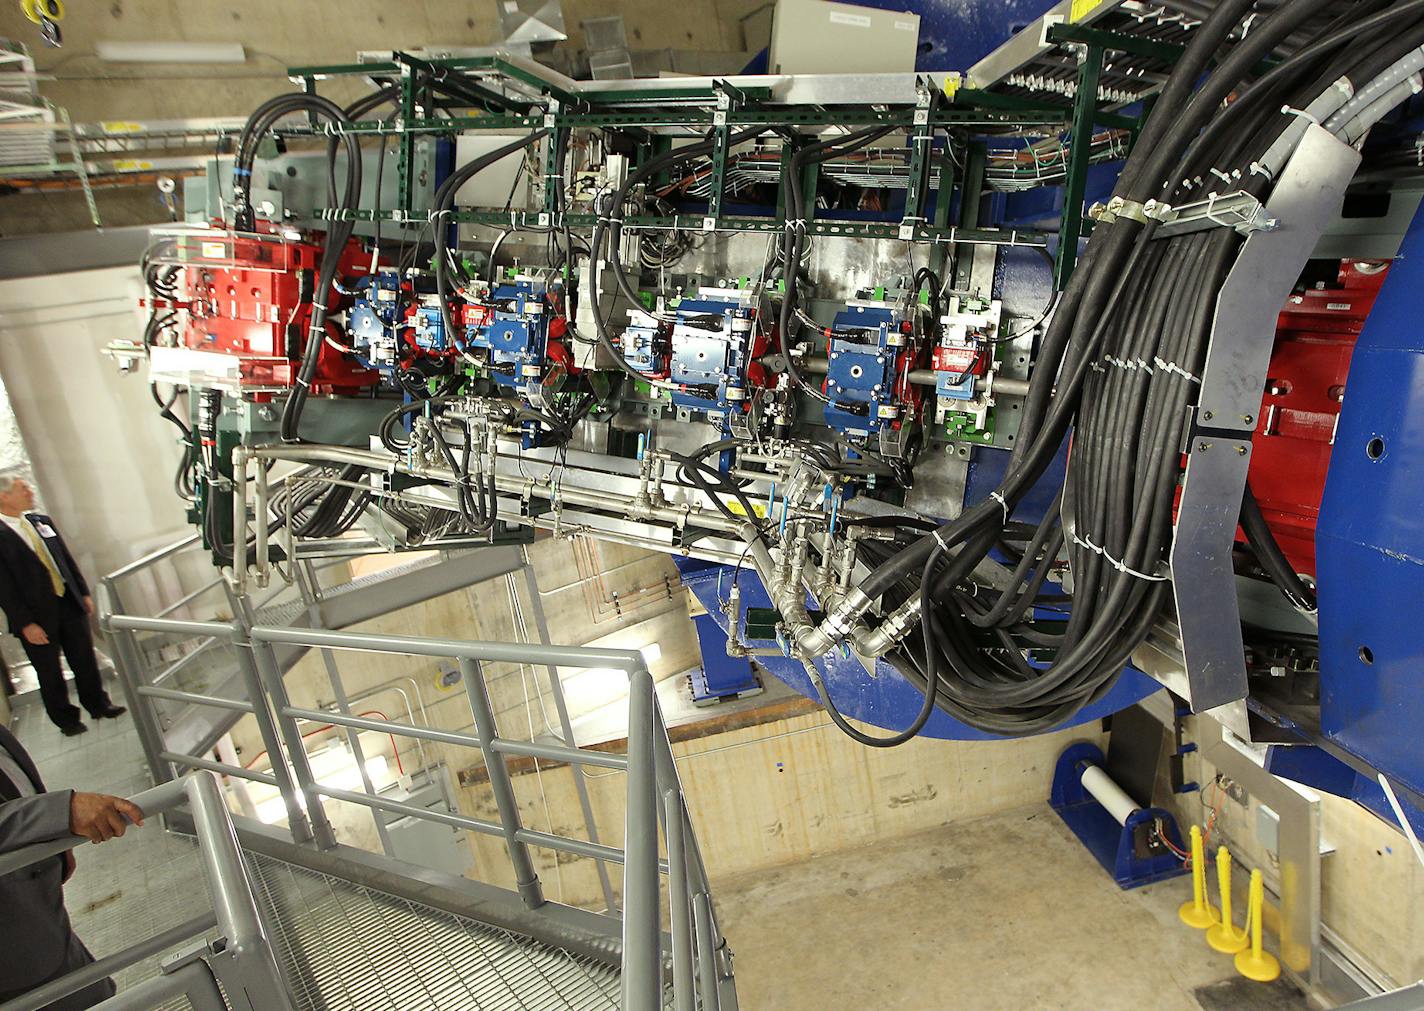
{"type": "Point", "coordinates": [40, 818]}
{"type": "Point", "coordinates": [12, 597]}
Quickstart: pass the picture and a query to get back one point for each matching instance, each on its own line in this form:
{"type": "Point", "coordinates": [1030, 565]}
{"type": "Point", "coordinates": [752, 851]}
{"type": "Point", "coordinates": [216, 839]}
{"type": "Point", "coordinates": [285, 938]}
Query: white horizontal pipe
{"type": "Point", "coordinates": [1107, 793]}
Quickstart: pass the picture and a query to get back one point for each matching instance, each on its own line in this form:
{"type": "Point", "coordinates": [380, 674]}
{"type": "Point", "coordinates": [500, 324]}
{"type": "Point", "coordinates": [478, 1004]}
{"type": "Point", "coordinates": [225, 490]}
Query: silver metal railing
{"type": "Point", "coordinates": [691, 961]}
{"type": "Point", "coordinates": [240, 956]}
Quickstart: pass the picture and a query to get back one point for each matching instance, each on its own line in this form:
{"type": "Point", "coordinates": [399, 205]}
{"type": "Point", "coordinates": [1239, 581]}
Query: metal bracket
{"type": "Point", "coordinates": [1306, 200]}
{"type": "Point", "coordinates": [1239, 210]}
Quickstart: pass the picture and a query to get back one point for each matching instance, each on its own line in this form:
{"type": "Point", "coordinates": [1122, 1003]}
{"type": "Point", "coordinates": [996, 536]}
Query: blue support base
{"type": "Point", "coordinates": [721, 677]}
{"type": "Point", "coordinates": [1130, 853]}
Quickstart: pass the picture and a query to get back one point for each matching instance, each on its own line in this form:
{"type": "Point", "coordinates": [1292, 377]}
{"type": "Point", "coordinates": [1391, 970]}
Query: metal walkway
{"type": "Point", "coordinates": [344, 947]}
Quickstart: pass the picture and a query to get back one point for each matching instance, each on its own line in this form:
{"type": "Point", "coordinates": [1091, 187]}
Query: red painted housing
{"type": "Point", "coordinates": [1315, 338]}
{"type": "Point", "coordinates": [250, 296]}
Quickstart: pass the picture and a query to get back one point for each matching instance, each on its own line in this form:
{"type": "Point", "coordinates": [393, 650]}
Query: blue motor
{"type": "Point", "coordinates": [715, 345]}
{"type": "Point", "coordinates": [515, 332]}
{"type": "Point", "coordinates": [863, 371]}
{"type": "Point", "coordinates": [373, 322]}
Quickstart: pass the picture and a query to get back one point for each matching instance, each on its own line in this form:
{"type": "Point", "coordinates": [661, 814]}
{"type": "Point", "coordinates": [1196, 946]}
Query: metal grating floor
{"type": "Point", "coordinates": [348, 947]}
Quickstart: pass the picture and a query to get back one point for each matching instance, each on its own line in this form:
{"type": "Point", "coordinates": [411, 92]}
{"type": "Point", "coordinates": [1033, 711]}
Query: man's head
{"type": "Point", "coordinates": [16, 495]}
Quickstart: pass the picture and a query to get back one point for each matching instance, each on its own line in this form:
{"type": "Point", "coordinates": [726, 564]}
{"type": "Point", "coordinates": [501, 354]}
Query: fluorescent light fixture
{"type": "Point", "coordinates": [170, 52]}
{"type": "Point", "coordinates": [652, 652]}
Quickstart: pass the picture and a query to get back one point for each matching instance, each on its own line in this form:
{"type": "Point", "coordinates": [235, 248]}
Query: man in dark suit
{"type": "Point", "coordinates": [47, 602]}
{"type": "Point", "coordinates": [35, 936]}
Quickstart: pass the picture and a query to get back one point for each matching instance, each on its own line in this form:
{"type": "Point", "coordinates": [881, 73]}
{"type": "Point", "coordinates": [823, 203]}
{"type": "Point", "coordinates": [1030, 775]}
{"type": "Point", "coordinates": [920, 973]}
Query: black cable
{"type": "Point", "coordinates": [1273, 560]}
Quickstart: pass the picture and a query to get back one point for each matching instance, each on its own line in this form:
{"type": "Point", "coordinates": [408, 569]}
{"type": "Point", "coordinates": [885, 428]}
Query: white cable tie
{"type": "Point", "coordinates": [1170, 367]}
{"type": "Point", "coordinates": [1142, 364]}
{"type": "Point", "coordinates": [1291, 110]}
{"type": "Point", "coordinates": [939, 539]}
{"type": "Point", "coordinates": [997, 497]}
{"type": "Point", "coordinates": [1221, 175]}
{"type": "Point", "coordinates": [1257, 169]}
{"type": "Point", "coordinates": [1211, 211]}
{"type": "Point", "coordinates": [1119, 566]}
{"type": "Point", "coordinates": [303, 382]}
{"type": "Point", "coordinates": [319, 305]}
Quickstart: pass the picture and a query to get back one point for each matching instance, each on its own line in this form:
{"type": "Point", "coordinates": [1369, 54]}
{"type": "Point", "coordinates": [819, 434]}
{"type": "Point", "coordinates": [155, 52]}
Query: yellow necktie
{"type": "Point", "coordinates": [39, 545]}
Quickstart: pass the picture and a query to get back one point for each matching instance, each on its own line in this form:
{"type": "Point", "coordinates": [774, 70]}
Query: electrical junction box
{"type": "Point", "coordinates": [814, 37]}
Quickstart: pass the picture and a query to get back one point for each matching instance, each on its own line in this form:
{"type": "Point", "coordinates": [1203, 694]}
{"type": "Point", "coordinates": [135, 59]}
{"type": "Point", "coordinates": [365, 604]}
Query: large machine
{"type": "Point", "coordinates": [931, 452]}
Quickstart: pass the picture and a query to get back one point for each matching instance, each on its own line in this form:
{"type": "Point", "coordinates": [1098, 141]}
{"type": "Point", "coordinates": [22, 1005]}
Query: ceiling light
{"type": "Point", "coordinates": [170, 52]}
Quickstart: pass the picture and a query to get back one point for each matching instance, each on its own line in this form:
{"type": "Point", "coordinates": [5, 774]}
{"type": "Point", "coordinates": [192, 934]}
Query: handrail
{"type": "Point", "coordinates": [244, 961]}
{"type": "Point", "coordinates": [153, 557]}
{"type": "Point", "coordinates": [654, 793]}
{"type": "Point", "coordinates": [467, 649]}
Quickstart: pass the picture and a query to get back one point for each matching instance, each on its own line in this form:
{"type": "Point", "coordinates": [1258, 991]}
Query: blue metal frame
{"type": "Point", "coordinates": [1370, 539]}
{"type": "Point", "coordinates": [886, 700]}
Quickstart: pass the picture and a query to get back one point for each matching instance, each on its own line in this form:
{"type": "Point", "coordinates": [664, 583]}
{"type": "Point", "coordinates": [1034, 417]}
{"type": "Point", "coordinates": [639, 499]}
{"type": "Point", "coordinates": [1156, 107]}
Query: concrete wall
{"type": "Point", "coordinates": [103, 460]}
{"type": "Point", "coordinates": [279, 34]}
{"type": "Point", "coordinates": [782, 793]}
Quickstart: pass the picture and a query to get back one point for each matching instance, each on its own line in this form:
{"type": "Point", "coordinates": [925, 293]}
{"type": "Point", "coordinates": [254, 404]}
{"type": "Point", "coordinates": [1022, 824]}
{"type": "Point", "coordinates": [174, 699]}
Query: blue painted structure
{"type": "Point", "coordinates": [885, 700]}
{"type": "Point", "coordinates": [1313, 767]}
{"type": "Point", "coordinates": [1116, 847]}
{"type": "Point", "coordinates": [721, 676]}
{"type": "Point", "coordinates": [1370, 540]}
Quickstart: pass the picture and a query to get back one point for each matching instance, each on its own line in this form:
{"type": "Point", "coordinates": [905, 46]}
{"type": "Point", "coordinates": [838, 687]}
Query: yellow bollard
{"type": "Point", "coordinates": [1198, 913]}
{"type": "Point", "coordinates": [1225, 936]}
{"type": "Point", "coordinates": [1254, 963]}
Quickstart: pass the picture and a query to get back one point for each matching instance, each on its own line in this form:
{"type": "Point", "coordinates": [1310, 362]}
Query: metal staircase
{"type": "Point", "coordinates": [203, 665]}
{"type": "Point", "coordinates": [299, 919]}
{"type": "Point", "coordinates": [345, 947]}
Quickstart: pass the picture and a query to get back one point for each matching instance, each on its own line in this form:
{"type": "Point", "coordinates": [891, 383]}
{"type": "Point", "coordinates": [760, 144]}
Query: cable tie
{"type": "Point", "coordinates": [241, 171]}
{"type": "Point", "coordinates": [1257, 169]}
{"type": "Point", "coordinates": [303, 382]}
{"type": "Point", "coordinates": [1170, 367]}
{"type": "Point", "coordinates": [1290, 110]}
{"type": "Point", "coordinates": [1211, 211]}
{"type": "Point", "coordinates": [939, 539]}
{"type": "Point", "coordinates": [319, 305]}
{"type": "Point", "coordinates": [1119, 566]}
{"type": "Point", "coordinates": [999, 498]}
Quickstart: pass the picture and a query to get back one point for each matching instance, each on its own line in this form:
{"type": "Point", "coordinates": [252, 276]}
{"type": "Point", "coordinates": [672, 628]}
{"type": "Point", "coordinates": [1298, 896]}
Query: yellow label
{"type": "Point", "coordinates": [952, 84]}
{"type": "Point", "coordinates": [121, 126]}
{"type": "Point", "coordinates": [132, 165]}
{"type": "Point", "coordinates": [1082, 8]}
{"type": "Point", "coordinates": [757, 508]}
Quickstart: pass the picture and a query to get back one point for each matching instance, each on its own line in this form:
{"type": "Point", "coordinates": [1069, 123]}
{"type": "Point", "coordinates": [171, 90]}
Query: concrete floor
{"type": "Point", "coordinates": [1005, 912]}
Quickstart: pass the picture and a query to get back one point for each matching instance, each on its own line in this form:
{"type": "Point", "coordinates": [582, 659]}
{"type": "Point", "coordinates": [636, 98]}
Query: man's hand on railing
{"type": "Point", "coordinates": [99, 817]}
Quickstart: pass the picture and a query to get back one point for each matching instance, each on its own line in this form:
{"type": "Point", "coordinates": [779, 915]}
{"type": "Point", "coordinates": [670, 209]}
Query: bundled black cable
{"type": "Point", "coordinates": [1119, 366]}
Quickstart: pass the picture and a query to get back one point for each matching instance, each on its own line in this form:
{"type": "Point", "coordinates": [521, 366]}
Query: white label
{"type": "Point", "coordinates": [214, 251]}
{"type": "Point", "coordinates": [853, 20]}
{"type": "Point", "coordinates": [1338, 306]}
{"type": "Point", "coordinates": [905, 26]}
